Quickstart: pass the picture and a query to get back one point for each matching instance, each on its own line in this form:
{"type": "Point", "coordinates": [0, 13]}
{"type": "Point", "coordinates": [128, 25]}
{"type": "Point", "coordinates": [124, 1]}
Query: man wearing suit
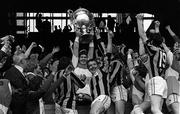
{"type": "Point", "coordinates": [19, 84]}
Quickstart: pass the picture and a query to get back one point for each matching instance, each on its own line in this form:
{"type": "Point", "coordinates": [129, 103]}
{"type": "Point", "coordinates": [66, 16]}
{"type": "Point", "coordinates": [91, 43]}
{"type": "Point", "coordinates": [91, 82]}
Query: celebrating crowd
{"type": "Point", "coordinates": [100, 75]}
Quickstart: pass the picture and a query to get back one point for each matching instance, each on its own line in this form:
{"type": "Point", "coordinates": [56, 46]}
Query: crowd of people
{"type": "Point", "coordinates": [99, 75]}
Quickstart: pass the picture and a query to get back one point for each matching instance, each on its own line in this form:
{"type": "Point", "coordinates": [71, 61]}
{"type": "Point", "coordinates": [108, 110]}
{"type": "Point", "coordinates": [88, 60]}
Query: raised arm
{"type": "Point", "coordinates": [141, 31]}
{"type": "Point", "coordinates": [28, 51]}
{"type": "Point", "coordinates": [130, 64]}
{"type": "Point", "coordinates": [100, 43]}
{"type": "Point", "coordinates": [4, 49]}
{"type": "Point", "coordinates": [76, 48]}
{"type": "Point", "coordinates": [141, 47]}
{"type": "Point", "coordinates": [44, 61]}
{"type": "Point", "coordinates": [109, 44]}
{"type": "Point", "coordinates": [169, 54]}
{"type": "Point", "coordinates": [109, 51]}
{"type": "Point", "coordinates": [171, 32]}
{"type": "Point", "coordinates": [91, 48]}
{"type": "Point", "coordinates": [156, 26]}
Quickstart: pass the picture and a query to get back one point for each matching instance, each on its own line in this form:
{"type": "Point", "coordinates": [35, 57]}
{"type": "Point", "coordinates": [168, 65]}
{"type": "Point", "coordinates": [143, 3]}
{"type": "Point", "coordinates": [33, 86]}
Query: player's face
{"type": "Point", "coordinates": [92, 66]}
{"type": "Point", "coordinates": [83, 59]}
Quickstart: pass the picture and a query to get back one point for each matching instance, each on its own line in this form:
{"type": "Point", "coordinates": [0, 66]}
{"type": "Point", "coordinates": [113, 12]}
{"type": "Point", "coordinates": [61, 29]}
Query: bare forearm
{"type": "Point", "coordinates": [91, 50]}
{"type": "Point", "coordinates": [76, 47]}
{"type": "Point", "coordinates": [28, 51]}
{"type": "Point", "coordinates": [141, 31]}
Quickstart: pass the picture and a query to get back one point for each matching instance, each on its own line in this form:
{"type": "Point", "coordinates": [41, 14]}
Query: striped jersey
{"type": "Point", "coordinates": [67, 92]}
{"type": "Point", "coordinates": [115, 73]}
{"type": "Point", "coordinates": [155, 61]}
{"type": "Point", "coordinates": [99, 84]}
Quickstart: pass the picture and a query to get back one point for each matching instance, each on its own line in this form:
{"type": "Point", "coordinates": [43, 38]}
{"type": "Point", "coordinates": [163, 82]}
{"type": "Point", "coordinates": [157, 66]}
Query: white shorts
{"type": "Point", "coordinates": [3, 109]}
{"type": "Point", "coordinates": [173, 85]}
{"type": "Point", "coordinates": [157, 86]}
{"type": "Point", "coordinates": [106, 100]}
{"type": "Point", "coordinates": [119, 93]}
{"type": "Point", "coordinates": [68, 111]}
{"type": "Point", "coordinates": [172, 99]}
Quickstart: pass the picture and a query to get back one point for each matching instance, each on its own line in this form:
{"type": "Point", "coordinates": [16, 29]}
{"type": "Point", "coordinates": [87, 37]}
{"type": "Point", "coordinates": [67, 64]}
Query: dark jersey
{"type": "Point", "coordinates": [156, 62]}
{"type": "Point", "coordinates": [67, 91]}
{"type": "Point", "coordinates": [99, 84]}
{"type": "Point", "coordinates": [115, 73]}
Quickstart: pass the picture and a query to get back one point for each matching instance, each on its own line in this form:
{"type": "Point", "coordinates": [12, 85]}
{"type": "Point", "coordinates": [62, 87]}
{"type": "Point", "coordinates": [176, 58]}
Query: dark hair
{"type": "Point", "coordinates": [142, 70]}
{"type": "Point", "coordinates": [83, 52]}
{"type": "Point", "coordinates": [93, 59]}
{"type": "Point", "coordinates": [156, 39]}
{"type": "Point", "coordinates": [64, 62]}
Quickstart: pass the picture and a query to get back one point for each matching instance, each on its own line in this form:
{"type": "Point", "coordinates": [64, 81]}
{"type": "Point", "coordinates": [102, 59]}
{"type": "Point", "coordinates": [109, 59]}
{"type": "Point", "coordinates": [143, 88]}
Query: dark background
{"type": "Point", "coordinates": [166, 11]}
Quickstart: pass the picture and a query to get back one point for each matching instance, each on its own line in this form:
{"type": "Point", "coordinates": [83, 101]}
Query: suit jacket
{"type": "Point", "coordinates": [37, 92]}
{"type": "Point", "coordinates": [17, 81]}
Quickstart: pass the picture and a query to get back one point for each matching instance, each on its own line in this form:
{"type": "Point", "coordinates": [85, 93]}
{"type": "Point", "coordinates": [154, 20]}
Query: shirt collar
{"type": "Point", "coordinates": [96, 74]}
{"type": "Point", "coordinates": [30, 73]}
{"type": "Point", "coordinates": [19, 68]}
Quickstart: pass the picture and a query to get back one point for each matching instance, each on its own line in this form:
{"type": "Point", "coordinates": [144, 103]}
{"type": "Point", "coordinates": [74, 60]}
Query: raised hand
{"type": "Point", "coordinates": [55, 50]}
{"type": "Point", "coordinates": [130, 51]}
{"type": "Point", "coordinates": [110, 34]}
{"type": "Point", "coordinates": [7, 38]}
{"type": "Point", "coordinates": [157, 24]}
{"type": "Point", "coordinates": [33, 44]}
{"type": "Point", "coordinates": [140, 16]}
{"type": "Point", "coordinates": [78, 32]}
{"type": "Point", "coordinates": [167, 27]}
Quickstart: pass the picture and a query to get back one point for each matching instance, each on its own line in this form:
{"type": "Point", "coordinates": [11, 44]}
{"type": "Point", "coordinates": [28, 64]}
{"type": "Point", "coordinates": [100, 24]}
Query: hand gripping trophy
{"type": "Point", "coordinates": [84, 21]}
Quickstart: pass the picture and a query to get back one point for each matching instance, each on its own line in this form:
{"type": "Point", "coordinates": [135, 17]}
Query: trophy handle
{"type": "Point", "coordinates": [71, 15]}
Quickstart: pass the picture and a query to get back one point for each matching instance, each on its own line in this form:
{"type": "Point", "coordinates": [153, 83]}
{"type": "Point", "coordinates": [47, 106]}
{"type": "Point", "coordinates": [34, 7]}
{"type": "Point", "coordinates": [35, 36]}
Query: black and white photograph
{"type": "Point", "coordinates": [90, 57]}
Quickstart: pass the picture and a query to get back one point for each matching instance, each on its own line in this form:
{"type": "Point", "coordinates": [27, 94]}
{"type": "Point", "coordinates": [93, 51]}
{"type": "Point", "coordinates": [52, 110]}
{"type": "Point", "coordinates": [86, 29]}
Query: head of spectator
{"type": "Point", "coordinates": [135, 54]}
{"type": "Point", "coordinates": [102, 24]}
{"type": "Point", "coordinates": [54, 62]}
{"type": "Point", "coordinates": [64, 62]}
{"type": "Point", "coordinates": [30, 67]}
{"type": "Point", "coordinates": [46, 71]}
{"type": "Point", "coordinates": [20, 60]}
{"type": "Point", "coordinates": [32, 75]}
{"type": "Point", "coordinates": [34, 57]}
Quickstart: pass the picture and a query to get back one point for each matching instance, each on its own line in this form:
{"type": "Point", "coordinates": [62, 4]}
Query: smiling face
{"type": "Point", "coordinates": [83, 59]}
{"type": "Point", "coordinates": [92, 66]}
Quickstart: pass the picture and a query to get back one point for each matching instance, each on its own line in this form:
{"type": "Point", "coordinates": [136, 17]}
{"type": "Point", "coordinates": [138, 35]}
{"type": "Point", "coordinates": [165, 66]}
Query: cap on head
{"type": "Point", "coordinates": [83, 52]}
